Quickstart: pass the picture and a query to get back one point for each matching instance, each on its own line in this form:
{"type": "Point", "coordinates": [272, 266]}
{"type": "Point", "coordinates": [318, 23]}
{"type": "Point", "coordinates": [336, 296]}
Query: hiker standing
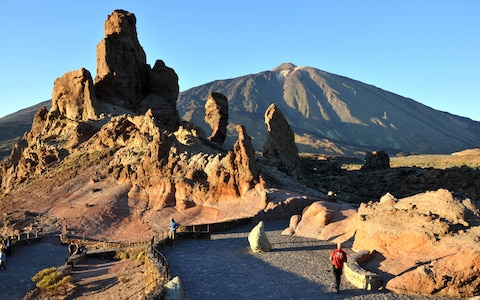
{"type": "Point", "coordinates": [3, 259]}
{"type": "Point", "coordinates": [338, 257]}
{"type": "Point", "coordinates": [8, 246]}
{"type": "Point", "coordinates": [173, 230]}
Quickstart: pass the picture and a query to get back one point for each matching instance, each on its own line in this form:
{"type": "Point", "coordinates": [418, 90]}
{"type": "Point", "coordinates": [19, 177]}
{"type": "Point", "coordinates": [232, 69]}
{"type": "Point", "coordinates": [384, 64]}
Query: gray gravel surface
{"type": "Point", "coordinates": [25, 262]}
{"type": "Point", "coordinates": [224, 267]}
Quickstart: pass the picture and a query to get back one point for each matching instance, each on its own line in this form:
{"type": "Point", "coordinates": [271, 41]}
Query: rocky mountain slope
{"type": "Point", "coordinates": [13, 126]}
{"type": "Point", "coordinates": [333, 114]}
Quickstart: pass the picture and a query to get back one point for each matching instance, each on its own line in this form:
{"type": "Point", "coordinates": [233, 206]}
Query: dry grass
{"type": "Point", "coordinates": [424, 161]}
{"type": "Point", "coordinates": [436, 161]}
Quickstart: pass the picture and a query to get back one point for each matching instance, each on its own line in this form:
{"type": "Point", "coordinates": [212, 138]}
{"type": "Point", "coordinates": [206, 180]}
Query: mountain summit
{"type": "Point", "coordinates": [334, 114]}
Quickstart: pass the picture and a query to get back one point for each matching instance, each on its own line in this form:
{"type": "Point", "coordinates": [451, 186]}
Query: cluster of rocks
{"type": "Point", "coordinates": [423, 244]}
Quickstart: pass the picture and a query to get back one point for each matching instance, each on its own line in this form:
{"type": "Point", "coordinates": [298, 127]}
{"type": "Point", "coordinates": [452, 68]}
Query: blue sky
{"type": "Point", "coordinates": [425, 50]}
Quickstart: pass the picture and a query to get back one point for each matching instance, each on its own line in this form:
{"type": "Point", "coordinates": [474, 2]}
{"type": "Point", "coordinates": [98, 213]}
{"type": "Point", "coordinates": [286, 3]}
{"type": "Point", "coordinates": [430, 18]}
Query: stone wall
{"type": "Point", "coordinates": [358, 276]}
{"type": "Point", "coordinates": [156, 274]}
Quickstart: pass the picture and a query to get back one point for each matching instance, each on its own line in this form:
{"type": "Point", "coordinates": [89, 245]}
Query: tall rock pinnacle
{"type": "Point", "coordinates": [125, 79]}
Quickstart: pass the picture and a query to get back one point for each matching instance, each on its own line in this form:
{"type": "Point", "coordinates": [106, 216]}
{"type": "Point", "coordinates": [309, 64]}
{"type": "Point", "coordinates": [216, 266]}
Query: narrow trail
{"type": "Point", "coordinates": [225, 268]}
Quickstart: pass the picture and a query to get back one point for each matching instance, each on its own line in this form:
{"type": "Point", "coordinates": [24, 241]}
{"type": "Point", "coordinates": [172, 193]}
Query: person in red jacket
{"type": "Point", "coordinates": [338, 257]}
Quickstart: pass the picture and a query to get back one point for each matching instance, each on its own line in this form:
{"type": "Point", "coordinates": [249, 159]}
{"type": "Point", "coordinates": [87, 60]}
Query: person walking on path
{"type": "Point", "coordinates": [3, 259]}
{"type": "Point", "coordinates": [173, 230]}
{"type": "Point", "coordinates": [338, 257]}
{"type": "Point", "coordinates": [72, 249]}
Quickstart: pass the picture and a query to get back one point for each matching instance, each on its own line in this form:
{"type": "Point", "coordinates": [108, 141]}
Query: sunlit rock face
{"type": "Point", "coordinates": [120, 136]}
{"type": "Point", "coordinates": [125, 79]}
{"type": "Point", "coordinates": [428, 242]}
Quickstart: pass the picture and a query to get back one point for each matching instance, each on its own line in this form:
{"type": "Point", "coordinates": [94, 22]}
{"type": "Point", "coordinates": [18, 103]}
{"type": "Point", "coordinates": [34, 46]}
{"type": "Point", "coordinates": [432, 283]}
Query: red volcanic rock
{"type": "Point", "coordinates": [326, 221]}
{"type": "Point", "coordinates": [74, 96]}
{"type": "Point", "coordinates": [162, 95]}
{"type": "Point", "coordinates": [130, 161]}
{"type": "Point", "coordinates": [122, 70]}
{"type": "Point", "coordinates": [427, 240]}
{"type": "Point", "coordinates": [124, 79]}
{"type": "Point", "coordinates": [216, 115]}
{"type": "Point", "coordinates": [315, 218]}
{"type": "Point", "coordinates": [453, 273]}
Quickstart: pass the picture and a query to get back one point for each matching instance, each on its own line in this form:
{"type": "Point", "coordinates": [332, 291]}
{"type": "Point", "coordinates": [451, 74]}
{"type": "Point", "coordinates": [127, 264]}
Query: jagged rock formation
{"type": "Point", "coordinates": [280, 142]}
{"type": "Point", "coordinates": [121, 139]}
{"type": "Point", "coordinates": [216, 115]}
{"type": "Point", "coordinates": [74, 96]}
{"type": "Point", "coordinates": [125, 79]}
{"type": "Point", "coordinates": [376, 160]}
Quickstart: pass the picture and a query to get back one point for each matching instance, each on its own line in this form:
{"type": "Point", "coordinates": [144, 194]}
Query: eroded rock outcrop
{"type": "Point", "coordinates": [124, 79]}
{"type": "Point", "coordinates": [216, 115]}
{"type": "Point", "coordinates": [128, 124]}
{"type": "Point", "coordinates": [122, 71]}
{"type": "Point", "coordinates": [280, 142]}
{"type": "Point", "coordinates": [324, 220]}
{"type": "Point", "coordinates": [74, 96]}
{"type": "Point", "coordinates": [428, 242]}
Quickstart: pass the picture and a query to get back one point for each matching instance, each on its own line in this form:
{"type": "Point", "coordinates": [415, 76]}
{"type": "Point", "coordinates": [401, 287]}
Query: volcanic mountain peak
{"type": "Point", "coordinates": [333, 114]}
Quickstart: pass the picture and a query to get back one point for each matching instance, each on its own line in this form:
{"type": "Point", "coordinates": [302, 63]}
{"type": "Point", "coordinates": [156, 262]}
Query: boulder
{"type": "Point", "coordinates": [294, 220]}
{"type": "Point", "coordinates": [315, 218]}
{"type": "Point", "coordinates": [216, 115]}
{"type": "Point", "coordinates": [376, 160]}
{"type": "Point", "coordinates": [280, 143]}
{"type": "Point", "coordinates": [258, 239]}
{"type": "Point", "coordinates": [326, 220]}
{"type": "Point", "coordinates": [174, 289]}
{"type": "Point", "coordinates": [453, 275]}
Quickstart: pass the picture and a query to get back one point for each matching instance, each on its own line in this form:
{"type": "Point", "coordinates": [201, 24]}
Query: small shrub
{"type": "Point", "coordinates": [37, 277]}
{"type": "Point", "coordinates": [49, 279]}
{"type": "Point", "coordinates": [122, 255]}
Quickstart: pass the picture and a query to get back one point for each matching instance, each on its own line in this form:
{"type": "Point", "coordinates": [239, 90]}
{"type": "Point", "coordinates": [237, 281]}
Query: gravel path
{"type": "Point", "coordinates": [225, 268]}
{"type": "Point", "coordinates": [25, 262]}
